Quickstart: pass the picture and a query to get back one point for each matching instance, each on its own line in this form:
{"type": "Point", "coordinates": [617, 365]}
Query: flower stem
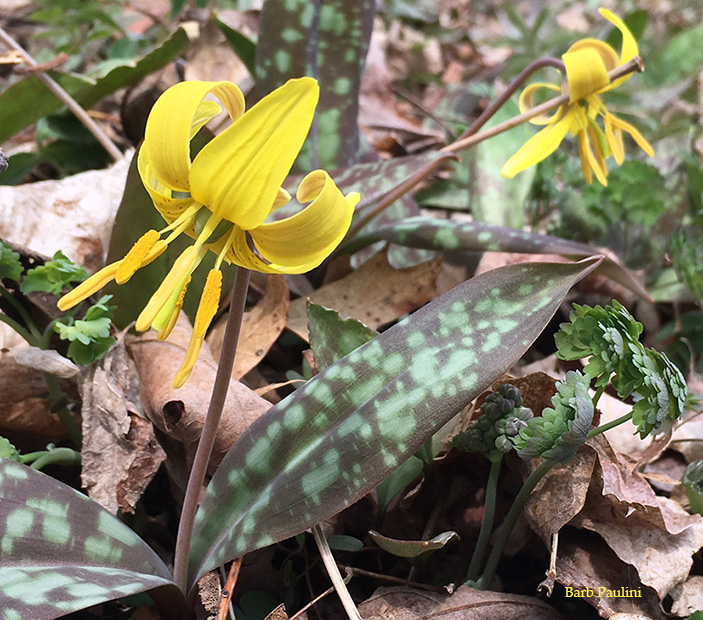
{"type": "Point", "coordinates": [633, 65]}
{"type": "Point", "coordinates": [57, 456]}
{"type": "Point", "coordinates": [508, 92]}
{"type": "Point", "coordinates": [26, 317]}
{"type": "Point", "coordinates": [510, 520]}
{"type": "Point", "coordinates": [66, 99]}
{"type": "Point", "coordinates": [335, 576]}
{"type": "Point", "coordinates": [487, 522]}
{"type": "Point", "coordinates": [209, 432]}
{"type": "Point", "coordinates": [15, 326]}
{"type": "Point", "coordinates": [612, 424]}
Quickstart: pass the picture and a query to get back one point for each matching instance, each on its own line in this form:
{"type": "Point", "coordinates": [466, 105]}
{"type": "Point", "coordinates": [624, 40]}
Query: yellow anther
{"type": "Point", "coordinates": [209, 302]}
{"type": "Point", "coordinates": [136, 257]}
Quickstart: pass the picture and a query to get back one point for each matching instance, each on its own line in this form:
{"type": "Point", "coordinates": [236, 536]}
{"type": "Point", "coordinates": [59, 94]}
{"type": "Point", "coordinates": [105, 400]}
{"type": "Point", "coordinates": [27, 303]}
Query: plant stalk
{"type": "Point", "coordinates": [510, 519]}
{"type": "Point", "coordinates": [66, 99]}
{"type": "Point", "coordinates": [209, 432]}
{"type": "Point", "coordinates": [335, 576]}
{"type": "Point", "coordinates": [487, 522]}
{"type": "Point", "coordinates": [606, 427]}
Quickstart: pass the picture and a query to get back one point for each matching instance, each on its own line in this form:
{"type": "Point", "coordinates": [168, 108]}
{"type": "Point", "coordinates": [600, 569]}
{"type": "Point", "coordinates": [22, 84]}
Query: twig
{"type": "Point", "coordinates": [66, 99]}
{"type": "Point", "coordinates": [226, 600]}
{"type": "Point", "coordinates": [335, 576]}
{"type": "Point", "coordinates": [209, 432]}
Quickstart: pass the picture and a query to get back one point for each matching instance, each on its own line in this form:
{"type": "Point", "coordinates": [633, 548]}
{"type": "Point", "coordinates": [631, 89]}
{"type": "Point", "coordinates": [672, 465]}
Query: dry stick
{"type": "Point", "coordinates": [209, 432]}
{"type": "Point", "coordinates": [226, 600]}
{"type": "Point", "coordinates": [335, 576]}
{"type": "Point", "coordinates": [66, 99]}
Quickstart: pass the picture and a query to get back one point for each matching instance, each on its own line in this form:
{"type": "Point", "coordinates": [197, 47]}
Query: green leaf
{"type": "Point", "coordinates": [27, 101]}
{"type": "Point", "coordinates": [53, 275]}
{"type": "Point", "coordinates": [327, 41]}
{"type": "Point", "coordinates": [340, 542]}
{"type": "Point", "coordinates": [335, 438]}
{"type": "Point", "coordinates": [8, 450]}
{"type": "Point", "coordinates": [397, 481]}
{"type": "Point", "coordinates": [90, 337]}
{"type": "Point", "coordinates": [450, 235]}
{"type": "Point", "coordinates": [61, 552]}
{"type": "Point", "coordinates": [563, 428]}
{"type": "Point", "coordinates": [332, 337]}
{"type": "Point", "coordinates": [412, 548]}
{"type": "Point", "coordinates": [244, 47]}
{"type": "Point", "coordinates": [693, 482]}
{"type": "Point", "coordinates": [10, 266]}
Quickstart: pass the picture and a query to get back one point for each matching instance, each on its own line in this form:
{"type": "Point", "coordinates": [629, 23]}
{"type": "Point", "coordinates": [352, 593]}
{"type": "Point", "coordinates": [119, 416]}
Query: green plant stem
{"type": "Point", "coordinates": [487, 522]}
{"type": "Point", "coordinates": [56, 456]}
{"type": "Point", "coordinates": [65, 98]}
{"type": "Point", "coordinates": [57, 397]}
{"type": "Point", "coordinates": [510, 520]}
{"type": "Point", "coordinates": [606, 427]}
{"type": "Point", "coordinates": [598, 394]}
{"type": "Point", "coordinates": [22, 311]}
{"type": "Point", "coordinates": [15, 326]}
{"type": "Point", "coordinates": [209, 432]}
{"type": "Point", "coordinates": [335, 576]}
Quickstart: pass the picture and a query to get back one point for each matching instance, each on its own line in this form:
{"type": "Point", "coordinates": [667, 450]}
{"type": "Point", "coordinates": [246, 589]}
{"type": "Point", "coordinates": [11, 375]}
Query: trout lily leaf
{"type": "Point", "coordinates": [223, 197]}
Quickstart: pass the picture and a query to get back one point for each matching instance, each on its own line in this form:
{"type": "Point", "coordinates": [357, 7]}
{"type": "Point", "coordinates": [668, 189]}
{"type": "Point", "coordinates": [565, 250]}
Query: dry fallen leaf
{"type": "Point", "coordinates": [74, 215]}
{"type": "Point", "coordinates": [261, 327]}
{"type": "Point", "coordinates": [688, 596]}
{"type": "Point", "coordinates": [179, 414]}
{"type": "Point", "coordinates": [120, 454]}
{"type": "Point", "coordinates": [374, 294]}
{"type": "Point", "coordinates": [465, 604]}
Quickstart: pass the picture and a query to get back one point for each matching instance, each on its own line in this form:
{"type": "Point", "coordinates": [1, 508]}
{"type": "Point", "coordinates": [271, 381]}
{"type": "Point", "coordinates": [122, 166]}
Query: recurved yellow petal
{"type": "Point", "coordinates": [310, 235]}
{"type": "Point", "coordinates": [177, 113]}
{"type": "Point", "coordinates": [527, 102]}
{"type": "Point", "coordinates": [586, 73]}
{"type": "Point", "coordinates": [537, 148]}
{"type": "Point", "coordinates": [238, 173]}
{"type": "Point", "coordinates": [614, 127]}
{"type": "Point", "coordinates": [629, 48]}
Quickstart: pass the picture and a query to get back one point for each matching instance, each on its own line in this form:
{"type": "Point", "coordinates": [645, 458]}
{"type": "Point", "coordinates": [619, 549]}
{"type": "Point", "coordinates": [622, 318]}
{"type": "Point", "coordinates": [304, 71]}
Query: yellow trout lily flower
{"type": "Point", "coordinates": [587, 65]}
{"type": "Point", "coordinates": [223, 196]}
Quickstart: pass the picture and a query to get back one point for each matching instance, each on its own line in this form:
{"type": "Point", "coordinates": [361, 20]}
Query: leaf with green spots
{"type": "Point", "coordinates": [27, 101]}
{"type": "Point", "coordinates": [10, 266]}
{"type": "Point", "coordinates": [53, 275]}
{"type": "Point", "coordinates": [332, 337]}
{"type": "Point", "coordinates": [328, 41]}
{"type": "Point", "coordinates": [60, 551]}
{"type": "Point", "coordinates": [335, 438]}
{"type": "Point", "coordinates": [450, 235]}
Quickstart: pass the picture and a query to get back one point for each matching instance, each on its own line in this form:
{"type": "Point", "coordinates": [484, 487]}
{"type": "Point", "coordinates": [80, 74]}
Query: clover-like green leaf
{"type": "Point", "coordinates": [53, 275]}
{"type": "Point", "coordinates": [693, 483]}
{"type": "Point", "coordinates": [10, 266]}
{"type": "Point", "coordinates": [61, 551]}
{"type": "Point", "coordinates": [335, 438]}
{"type": "Point", "coordinates": [90, 336]}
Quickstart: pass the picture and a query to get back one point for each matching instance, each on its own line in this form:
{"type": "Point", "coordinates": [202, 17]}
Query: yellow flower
{"type": "Point", "coordinates": [223, 196]}
{"type": "Point", "coordinates": [587, 65]}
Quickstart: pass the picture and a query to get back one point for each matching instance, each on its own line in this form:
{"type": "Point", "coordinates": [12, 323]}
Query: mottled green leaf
{"type": "Point", "coordinates": [332, 337]}
{"type": "Point", "coordinates": [412, 548]}
{"type": "Point", "coordinates": [335, 438]}
{"type": "Point", "coordinates": [451, 235]}
{"type": "Point", "coordinates": [61, 552]}
{"type": "Point", "coordinates": [328, 41]}
{"type": "Point", "coordinates": [397, 481]}
{"type": "Point", "coordinates": [27, 101]}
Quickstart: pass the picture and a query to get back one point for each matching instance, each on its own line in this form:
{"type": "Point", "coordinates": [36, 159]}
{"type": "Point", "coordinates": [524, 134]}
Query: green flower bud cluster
{"type": "Point", "coordinates": [501, 420]}
{"type": "Point", "coordinates": [562, 429]}
{"type": "Point", "coordinates": [609, 338]}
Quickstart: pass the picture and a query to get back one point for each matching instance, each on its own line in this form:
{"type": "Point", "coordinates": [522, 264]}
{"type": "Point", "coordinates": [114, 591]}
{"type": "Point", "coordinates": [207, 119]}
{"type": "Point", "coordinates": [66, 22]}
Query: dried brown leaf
{"type": "Point", "coordinates": [120, 454]}
{"type": "Point", "coordinates": [374, 294]}
{"type": "Point", "coordinates": [261, 327]}
{"type": "Point", "coordinates": [465, 604]}
{"type": "Point", "coordinates": [179, 414]}
{"type": "Point", "coordinates": [688, 596]}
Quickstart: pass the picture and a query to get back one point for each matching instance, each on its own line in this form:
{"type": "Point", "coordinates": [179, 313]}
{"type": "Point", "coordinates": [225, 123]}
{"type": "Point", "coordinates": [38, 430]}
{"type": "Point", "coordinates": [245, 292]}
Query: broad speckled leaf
{"type": "Point", "coordinates": [328, 41]}
{"type": "Point", "coordinates": [335, 438]}
{"type": "Point", "coordinates": [60, 551]}
{"type": "Point", "coordinates": [450, 235]}
{"type": "Point", "coordinates": [27, 101]}
{"type": "Point", "coordinates": [332, 337]}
